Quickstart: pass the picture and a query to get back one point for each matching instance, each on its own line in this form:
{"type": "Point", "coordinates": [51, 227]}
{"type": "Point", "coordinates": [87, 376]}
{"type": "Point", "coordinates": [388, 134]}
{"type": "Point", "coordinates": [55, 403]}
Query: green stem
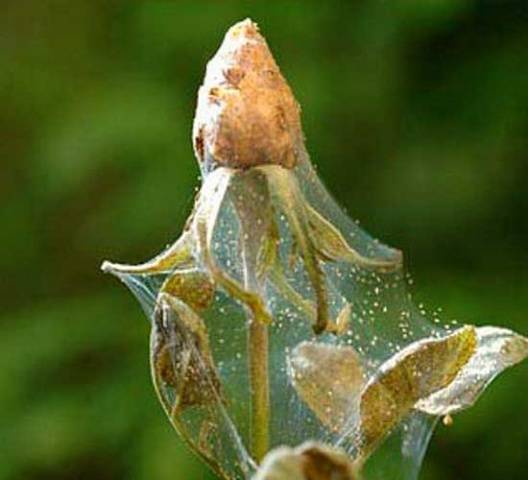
{"type": "Point", "coordinates": [251, 199]}
{"type": "Point", "coordinates": [259, 387]}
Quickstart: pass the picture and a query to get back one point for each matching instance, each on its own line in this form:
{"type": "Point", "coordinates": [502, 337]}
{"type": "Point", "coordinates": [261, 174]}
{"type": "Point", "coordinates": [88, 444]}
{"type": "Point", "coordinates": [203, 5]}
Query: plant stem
{"type": "Point", "coordinates": [251, 198]}
{"type": "Point", "coordinates": [259, 387]}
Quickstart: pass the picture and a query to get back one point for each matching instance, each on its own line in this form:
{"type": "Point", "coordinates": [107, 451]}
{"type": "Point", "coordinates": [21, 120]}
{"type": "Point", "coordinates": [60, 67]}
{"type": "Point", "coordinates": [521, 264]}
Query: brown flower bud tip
{"type": "Point", "coordinates": [246, 114]}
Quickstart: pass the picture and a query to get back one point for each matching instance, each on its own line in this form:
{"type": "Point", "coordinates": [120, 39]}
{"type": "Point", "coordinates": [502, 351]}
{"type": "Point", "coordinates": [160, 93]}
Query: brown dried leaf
{"type": "Point", "coordinates": [181, 359]}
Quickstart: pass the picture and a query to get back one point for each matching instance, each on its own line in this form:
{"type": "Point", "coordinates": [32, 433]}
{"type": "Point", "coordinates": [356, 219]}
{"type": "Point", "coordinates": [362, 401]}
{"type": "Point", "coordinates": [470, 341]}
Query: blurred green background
{"type": "Point", "coordinates": [416, 114]}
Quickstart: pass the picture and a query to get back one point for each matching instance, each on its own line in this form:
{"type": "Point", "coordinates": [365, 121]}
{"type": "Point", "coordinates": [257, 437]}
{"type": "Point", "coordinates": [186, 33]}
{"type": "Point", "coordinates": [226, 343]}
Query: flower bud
{"type": "Point", "coordinates": [246, 113]}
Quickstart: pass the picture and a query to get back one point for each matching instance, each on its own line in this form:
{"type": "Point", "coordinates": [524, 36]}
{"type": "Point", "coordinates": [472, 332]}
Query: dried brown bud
{"type": "Point", "coordinates": [309, 461]}
{"type": "Point", "coordinates": [246, 113]}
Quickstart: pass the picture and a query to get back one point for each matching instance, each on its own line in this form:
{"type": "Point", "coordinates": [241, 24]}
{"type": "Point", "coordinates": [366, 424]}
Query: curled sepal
{"type": "Point", "coordinates": [498, 349]}
{"type": "Point", "coordinates": [309, 461]}
{"type": "Point", "coordinates": [178, 254]}
{"type": "Point", "coordinates": [316, 241]}
{"type": "Point", "coordinates": [331, 245]}
{"type": "Point", "coordinates": [328, 379]}
{"type": "Point", "coordinates": [414, 373]}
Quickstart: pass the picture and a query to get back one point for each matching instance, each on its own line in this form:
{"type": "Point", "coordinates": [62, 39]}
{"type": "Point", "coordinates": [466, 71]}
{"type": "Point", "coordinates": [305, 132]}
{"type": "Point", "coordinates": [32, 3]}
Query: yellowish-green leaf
{"type": "Point", "coordinates": [417, 371]}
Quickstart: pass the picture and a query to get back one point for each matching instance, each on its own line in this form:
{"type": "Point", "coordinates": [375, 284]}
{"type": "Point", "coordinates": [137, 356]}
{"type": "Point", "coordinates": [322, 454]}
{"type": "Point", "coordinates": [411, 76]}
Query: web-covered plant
{"type": "Point", "coordinates": [284, 343]}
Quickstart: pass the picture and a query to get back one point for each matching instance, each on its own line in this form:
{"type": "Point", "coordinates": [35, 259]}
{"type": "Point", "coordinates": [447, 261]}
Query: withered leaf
{"type": "Point", "coordinates": [417, 371]}
{"type": "Point", "coordinates": [497, 349]}
{"type": "Point", "coordinates": [329, 379]}
{"type": "Point", "coordinates": [181, 359]}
